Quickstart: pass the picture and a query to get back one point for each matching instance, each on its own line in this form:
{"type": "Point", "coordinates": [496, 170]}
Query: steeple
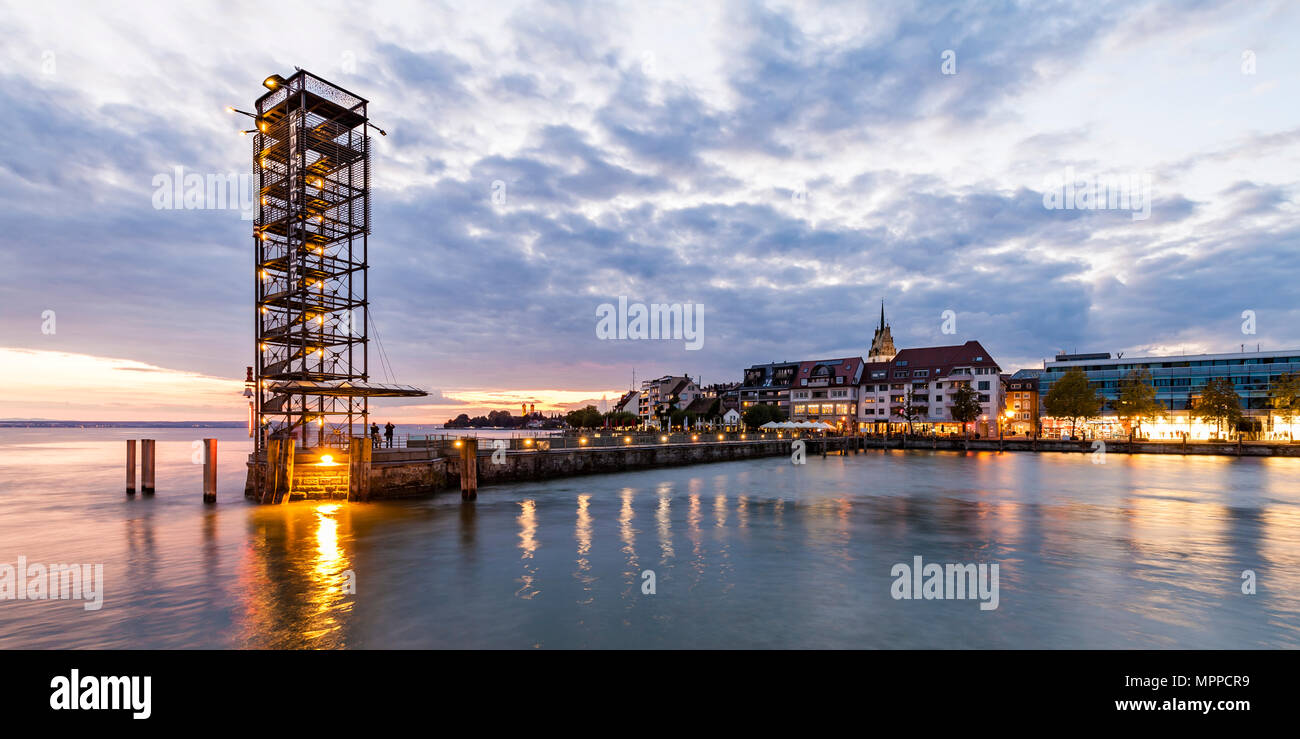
{"type": "Point", "coordinates": [882, 344]}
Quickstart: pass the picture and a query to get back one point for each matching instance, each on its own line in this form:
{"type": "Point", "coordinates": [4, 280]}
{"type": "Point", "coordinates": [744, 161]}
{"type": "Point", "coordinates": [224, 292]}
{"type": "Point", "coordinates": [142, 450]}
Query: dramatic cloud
{"type": "Point", "coordinates": [786, 165]}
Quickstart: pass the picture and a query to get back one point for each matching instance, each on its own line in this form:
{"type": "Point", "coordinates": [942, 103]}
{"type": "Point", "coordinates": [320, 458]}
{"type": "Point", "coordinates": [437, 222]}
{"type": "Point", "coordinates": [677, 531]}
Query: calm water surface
{"type": "Point", "coordinates": [1141, 551]}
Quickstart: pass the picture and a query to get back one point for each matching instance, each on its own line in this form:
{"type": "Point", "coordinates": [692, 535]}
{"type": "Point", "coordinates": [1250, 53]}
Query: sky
{"type": "Point", "coordinates": [787, 166]}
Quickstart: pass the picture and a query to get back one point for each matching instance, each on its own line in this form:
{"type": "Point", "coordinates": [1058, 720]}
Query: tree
{"type": "Point", "coordinates": [622, 419]}
{"type": "Point", "coordinates": [762, 413]}
{"type": "Point", "coordinates": [1284, 396]}
{"type": "Point", "coordinates": [587, 417]}
{"type": "Point", "coordinates": [1219, 403]}
{"type": "Point", "coordinates": [1072, 397]}
{"type": "Point", "coordinates": [1137, 399]}
{"type": "Point", "coordinates": [965, 405]}
{"type": "Point", "coordinates": [459, 422]}
{"type": "Point", "coordinates": [911, 411]}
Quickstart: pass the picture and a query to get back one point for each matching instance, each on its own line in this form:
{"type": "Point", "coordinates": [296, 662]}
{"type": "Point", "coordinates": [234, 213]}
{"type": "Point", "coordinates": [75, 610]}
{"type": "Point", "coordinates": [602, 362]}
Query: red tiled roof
{"type": "Point", "coordinates": [849, 368]}
{"type": "Point", "coordinates": [940, 360]}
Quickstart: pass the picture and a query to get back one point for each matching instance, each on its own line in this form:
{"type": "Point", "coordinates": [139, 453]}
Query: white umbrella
{"type": "Point", "coordinates": [770, 425]}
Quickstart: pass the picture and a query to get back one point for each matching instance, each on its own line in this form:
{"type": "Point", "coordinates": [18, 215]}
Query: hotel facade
{"type": "Point", "coordinates": [826, 390]}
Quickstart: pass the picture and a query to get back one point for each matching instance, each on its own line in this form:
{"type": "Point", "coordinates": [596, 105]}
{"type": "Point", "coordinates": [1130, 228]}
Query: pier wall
{"type": "Point", "coordinates": [404, 474]}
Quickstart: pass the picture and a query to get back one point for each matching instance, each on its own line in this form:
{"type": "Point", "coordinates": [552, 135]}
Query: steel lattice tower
{"type": "Point", "coordinates": [311, 163]}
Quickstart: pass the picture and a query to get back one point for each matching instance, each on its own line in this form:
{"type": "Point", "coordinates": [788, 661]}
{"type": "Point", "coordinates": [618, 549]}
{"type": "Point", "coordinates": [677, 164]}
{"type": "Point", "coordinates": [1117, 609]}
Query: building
{"type": "Point", "coordinates": [768, 383]}
{"type": "Point", "coordinates": [731, 420]}
{"type": "Point", "coordinates": [925, 379]}
{"type": "Point", "coordinates": [627, 403]}
{"type": "Point", "coordinates": [826, 390]}
{"type": "Point", "coordinates": [1178, 381]}
{"type": "Point", "coordinates": [882, 342]}
{"type": "Point", "coordinates": [1020, 408]}
{"type": "Point", "coordinates": [700, 408]}
{"type": "Point", "coordinates": [659, 396]}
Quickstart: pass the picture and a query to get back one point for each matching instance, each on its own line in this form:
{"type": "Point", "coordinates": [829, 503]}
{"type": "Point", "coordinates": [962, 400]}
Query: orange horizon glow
{"type": "Point", "coordinates": [65, 386]}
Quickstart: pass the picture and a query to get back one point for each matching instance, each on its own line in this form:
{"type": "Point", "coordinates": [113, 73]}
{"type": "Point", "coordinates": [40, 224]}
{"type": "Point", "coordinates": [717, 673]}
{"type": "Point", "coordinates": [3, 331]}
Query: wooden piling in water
{"type": "Point", "coordinates": [209, 470]}
{"type": "Point", "coordinates": [285, 483]}
{"type": "Point", "coordinates": [469, 468]}
{"type": "Point", "coordinates": [272, 470]}
{"type": "Point", "coordinates": [130, 466]}
{"type": "Point", "coordinates": [146, 465]}
{"type": "Point", "coordinates": [359, 461]}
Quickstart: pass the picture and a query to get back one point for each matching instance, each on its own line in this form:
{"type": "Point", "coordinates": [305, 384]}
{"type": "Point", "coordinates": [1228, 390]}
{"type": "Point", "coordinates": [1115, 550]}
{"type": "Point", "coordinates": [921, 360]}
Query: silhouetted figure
{"type": "Point", "coordinates": [388, 434]}
{"type": "Point", "coordinates": [374, 435]}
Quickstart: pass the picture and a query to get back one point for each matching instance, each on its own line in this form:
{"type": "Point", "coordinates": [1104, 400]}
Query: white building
{"type": "Point", "coordinates": [926, 379]}
{"type": "Point", "coordinates": [826, 390]}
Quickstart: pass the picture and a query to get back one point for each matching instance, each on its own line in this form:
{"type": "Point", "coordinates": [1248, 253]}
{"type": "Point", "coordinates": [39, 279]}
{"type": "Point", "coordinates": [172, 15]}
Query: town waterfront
{"type": "Point", "coordinates": [1141, 551]}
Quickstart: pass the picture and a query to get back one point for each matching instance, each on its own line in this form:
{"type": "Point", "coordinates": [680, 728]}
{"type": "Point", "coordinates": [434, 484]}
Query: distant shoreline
{"type": "Point", "coordinates": [124, 424]}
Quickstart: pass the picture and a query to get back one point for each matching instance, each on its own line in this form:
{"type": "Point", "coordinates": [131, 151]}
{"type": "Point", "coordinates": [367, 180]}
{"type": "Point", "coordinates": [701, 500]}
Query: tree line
{"type": "Point", "coordinates": [499, 419]}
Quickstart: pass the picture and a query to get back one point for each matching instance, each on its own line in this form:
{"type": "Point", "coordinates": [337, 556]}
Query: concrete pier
{"type": "Point", "coordinates": [403, 473]}
{"type": "Point", "coordinates": [397, 473]}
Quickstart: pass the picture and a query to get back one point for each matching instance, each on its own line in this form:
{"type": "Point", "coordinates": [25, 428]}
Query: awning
{"type": "Point", "coordinates": [344, 389]}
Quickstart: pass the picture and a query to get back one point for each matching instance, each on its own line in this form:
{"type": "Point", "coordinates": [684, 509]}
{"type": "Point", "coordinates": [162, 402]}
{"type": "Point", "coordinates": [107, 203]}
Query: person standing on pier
{"type": "Point", "coordinates": [374, 435]}
{"type": "Point", "coordinates": [388, 434]}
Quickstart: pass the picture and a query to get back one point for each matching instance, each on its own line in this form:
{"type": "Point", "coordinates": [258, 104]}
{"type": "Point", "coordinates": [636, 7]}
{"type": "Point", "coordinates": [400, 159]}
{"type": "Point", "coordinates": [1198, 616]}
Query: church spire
{"type": "Point", "coordinates": [882, 344]}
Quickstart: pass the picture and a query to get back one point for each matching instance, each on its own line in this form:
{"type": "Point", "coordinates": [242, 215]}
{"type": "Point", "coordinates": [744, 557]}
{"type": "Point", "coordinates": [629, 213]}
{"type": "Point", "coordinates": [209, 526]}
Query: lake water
{"type": "Point", "coordinates": [1143, 551]}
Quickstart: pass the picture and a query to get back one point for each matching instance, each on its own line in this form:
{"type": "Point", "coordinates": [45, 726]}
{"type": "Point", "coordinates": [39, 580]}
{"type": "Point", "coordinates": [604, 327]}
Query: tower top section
{"type": "Point", "coordinates": [882, 343]}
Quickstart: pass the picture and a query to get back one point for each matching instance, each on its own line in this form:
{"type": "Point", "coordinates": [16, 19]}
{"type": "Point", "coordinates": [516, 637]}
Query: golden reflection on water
{"type": "Point", "coordinates": [326, 595]}
{"type": "Point", "coordinates": [664, 521]}
{"type": "Point", "coordinates": [582, 533]}
{"type": "Point", "coordinates": [627, 534]}
{"type": "Point", "coordinates": [528, 545]}
{"type": "Point", "coordinates": [295, 594]}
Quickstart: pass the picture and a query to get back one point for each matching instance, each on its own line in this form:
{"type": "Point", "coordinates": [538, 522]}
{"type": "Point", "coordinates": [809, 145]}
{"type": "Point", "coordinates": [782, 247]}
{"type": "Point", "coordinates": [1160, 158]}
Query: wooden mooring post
{"type": "Point", "coordinates": [285, 483]}
{"type": "Point", "coordinates": [146, 465]}
{"type": "Point", "coordinates": [279, 470]}
{"type": "Point", "coordinates": [469, 468]}
{"type": "Point", "coordinates": [130, 466]}
{"type": "Point", "coordinates": [209, 470]}
{"type": "Point", "coordinates": [359, 460]}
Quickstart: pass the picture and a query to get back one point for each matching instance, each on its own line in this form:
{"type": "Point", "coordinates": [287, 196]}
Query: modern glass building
{"type": "Point", "coordinates": [1178, 380]}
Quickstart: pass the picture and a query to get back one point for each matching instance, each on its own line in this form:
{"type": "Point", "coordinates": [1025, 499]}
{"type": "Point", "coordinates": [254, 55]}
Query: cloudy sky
{"type": "Point", "coordinates": [785, 165]}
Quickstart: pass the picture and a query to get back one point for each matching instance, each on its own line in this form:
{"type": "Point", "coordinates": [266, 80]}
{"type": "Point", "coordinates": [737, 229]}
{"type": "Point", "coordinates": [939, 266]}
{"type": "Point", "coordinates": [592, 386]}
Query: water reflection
{"type": "Point", "coordinates": [527, 519]}
{"type": "Point", "coordinates": [1138, 552]}
{"type": "Point", "coordinates": [627, 535]}
{"type": "Point", "coordinates": [664, 523]}
{"type": "Point", "coordinates": [582, 533]}
{"type": "Point", "coordinates": [296, 595]}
